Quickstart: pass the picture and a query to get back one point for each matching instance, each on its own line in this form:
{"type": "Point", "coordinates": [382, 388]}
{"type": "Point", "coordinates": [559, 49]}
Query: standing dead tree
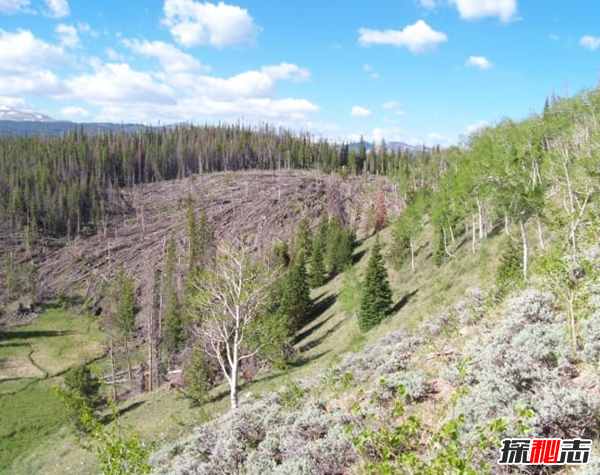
{"type": "Point", "coordinates": [229, 297]}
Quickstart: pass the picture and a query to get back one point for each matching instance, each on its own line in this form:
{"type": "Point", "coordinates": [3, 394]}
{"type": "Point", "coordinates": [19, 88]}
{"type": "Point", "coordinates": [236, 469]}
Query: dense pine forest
{"type": "Point", "coordinates": [61, 185]}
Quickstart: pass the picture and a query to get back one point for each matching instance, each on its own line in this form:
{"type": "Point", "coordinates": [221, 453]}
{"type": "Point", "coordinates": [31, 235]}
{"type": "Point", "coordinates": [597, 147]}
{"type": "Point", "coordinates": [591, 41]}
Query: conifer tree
{"type": "Point", "coordinates": [376, 294]}
{"type": "Point", "coordinates": [303, 241]}
{"type": "Point", "coordinates": [296, 303]}
{"type": "Point", "coordinates": [174, 331]}
{"type": "Point", "coordinates": [126, 310]}
{"type": "Point", "coordinates": [316, 275]}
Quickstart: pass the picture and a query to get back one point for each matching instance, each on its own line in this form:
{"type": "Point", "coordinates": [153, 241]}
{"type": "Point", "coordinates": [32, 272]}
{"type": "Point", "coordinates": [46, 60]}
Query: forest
{"type": "Point", "coordinates": [458, 286]}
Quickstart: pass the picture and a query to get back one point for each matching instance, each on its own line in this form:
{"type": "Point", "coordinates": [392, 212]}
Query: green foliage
{"type": "Point", "coordinates": [119, 449]}
{"type": "Point", "coordinates": [80, 394]}
{"type": "Point", "coordinates": [174, 336]}
{"type": "Point", "coordinates": [303, 241]}
{"type": "Point", "coordinates": [376, 293]}
{"type": "Point", "coordinates": [199, 376]}
{"type": "Point", "coordinates": [509, 273]}
{"type": "Point", "coordinates": [316, 274]}
{"type": "Point", "coordinates": [281, 255]}
{"type": "Point", "coordinates": [292, 395]}
{"type": "Point", "coordinates": [340, 243]}
{"type": "Point", "coordinates": [296, 304]}
{"type": "Point", "coordinates": [126, 308]}
{"type": "Point", "coordinates": [406, 444]}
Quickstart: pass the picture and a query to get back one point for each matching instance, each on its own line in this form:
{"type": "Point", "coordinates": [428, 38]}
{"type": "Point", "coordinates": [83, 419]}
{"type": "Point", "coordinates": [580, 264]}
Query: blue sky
{"type": "Point", "coordinates": [418, 71]}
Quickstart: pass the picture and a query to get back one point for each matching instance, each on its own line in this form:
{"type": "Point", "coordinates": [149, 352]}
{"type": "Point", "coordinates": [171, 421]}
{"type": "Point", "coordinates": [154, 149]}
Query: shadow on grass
{"type": "Point", "coordinates": [302, 360]}
{"type": "Point", "coordinates": [26, 335]}
{"type": "Point", "coordinates": [131, 407]}
{"type": "Point", "coordinates": [318, 341]}
{"type": "Point", "coordinates": [403, 301]}
{"type": "Point", "coordinates": [309, 331]}
{"type": "Point", "coordinates": [357, 257]}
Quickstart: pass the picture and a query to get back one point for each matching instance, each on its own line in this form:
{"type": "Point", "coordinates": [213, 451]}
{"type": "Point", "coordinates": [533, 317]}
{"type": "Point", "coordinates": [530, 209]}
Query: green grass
{"type": "Point", "coordinates": [31, 358]}
{"type": "Point", "coordinates": [165, 416]}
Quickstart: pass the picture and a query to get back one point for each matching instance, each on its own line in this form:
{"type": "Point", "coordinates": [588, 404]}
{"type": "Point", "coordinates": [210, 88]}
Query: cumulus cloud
{"type": "Point", "coordinates": [416, 38]}
{"type": "Point", "coordinates": [57, 8]}
{"type": "Point", "coordinates": [24, 65]}
{"type": "Point", "coordinates": [505, 10]}
{"type": "Point", "coordinates": [287, 71]}
{"type": "Point", "coordinates": [22, 52]}
{"type": "Point", "coordinates": [69, 37]}
{"type": "Point", "coordinates": [194, 23]}
{"type": "Point", "coordinates": [358, 111]}
{"type": "Point", "coordinates": [590, 42]}
{"type": "Point", "coordinates": [74, 112]}
{"type": "Point", "coordinates": [10, 7]}
{"type": "Point", "coordinates": [480, 62]}
{"type": "Point", "coordinates": [171, 58]}
{"type": "Point", "coordinates": [118, 83]}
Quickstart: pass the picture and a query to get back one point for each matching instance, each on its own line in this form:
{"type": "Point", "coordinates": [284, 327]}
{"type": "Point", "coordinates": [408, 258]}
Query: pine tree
{"type": "Point", "coordinates": [173, 318]}
{"type": "Point", "coordinates": [316, 275]}
{"type": "Point", "coordinates": [376, 294]}
{"type": "Point", "coordinates": [126, 310]}
{"type": "Point", "coordinates": [303, 241]}
{"type": "Point", "coordinates": [296, 303]}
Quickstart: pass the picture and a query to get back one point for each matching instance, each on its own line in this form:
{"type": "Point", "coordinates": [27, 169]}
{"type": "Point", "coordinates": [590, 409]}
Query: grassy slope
{"type": "Point", "coordinates": [164, 416]}
{"type": "Point", "coordinates": [31, 360]}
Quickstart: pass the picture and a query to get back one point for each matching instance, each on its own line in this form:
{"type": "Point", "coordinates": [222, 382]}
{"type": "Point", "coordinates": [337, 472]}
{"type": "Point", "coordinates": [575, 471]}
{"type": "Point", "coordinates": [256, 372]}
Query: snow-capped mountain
{"type": "Point", "coordinates": [8, 113]}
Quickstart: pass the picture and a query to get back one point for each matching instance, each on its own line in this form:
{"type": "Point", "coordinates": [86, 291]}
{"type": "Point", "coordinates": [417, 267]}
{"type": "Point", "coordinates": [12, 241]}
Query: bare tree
{"type": "Point", "coordinates": [229, 297]}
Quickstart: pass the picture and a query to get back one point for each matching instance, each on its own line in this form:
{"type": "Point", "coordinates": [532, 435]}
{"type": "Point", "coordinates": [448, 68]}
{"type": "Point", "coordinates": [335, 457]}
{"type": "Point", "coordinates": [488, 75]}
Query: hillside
{"type": "Point", "coordinates": [493, 256]}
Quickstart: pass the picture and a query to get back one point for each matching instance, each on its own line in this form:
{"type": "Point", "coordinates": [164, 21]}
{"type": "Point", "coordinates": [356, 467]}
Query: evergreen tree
{"type": "Point", "coordinates": [296, 303]}
{"type": "Point", "coordinates": [376, 293]}
{"type": "Point", "coordinates": [125, 317]}
{"type": "Point", "coordinates": [80, 394]}
{"type": "Point", "coordinates": [173, 315]}
{"type": "Point", "coordinates": [303, 241]}
{"type": "Point", "coordinates": [281, 255]}
{"type": "Point", "coordinates": [199, 377]}
{"type": "Point", "coordinates": [316, 275]}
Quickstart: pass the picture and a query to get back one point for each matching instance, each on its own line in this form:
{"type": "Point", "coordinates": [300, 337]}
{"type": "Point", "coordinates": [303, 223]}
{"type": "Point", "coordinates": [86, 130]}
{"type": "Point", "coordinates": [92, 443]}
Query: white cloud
{"type": "Point", "coordinates": [118, 83]}
{"type": "Point", "coordinates": [24, 60]}
{"type": "Point", "coordinates": [482, 124]}
{"type": "Point", "coordinates": [12, 102]}
{"type": "Point", "coordinates": [287, 71]}
{"type": "Point", "coordinates": [171, 58]}
{"type": "Point", "coordinates": [429, 4]}
{"type": "Point", "coordinates": [394, 106]}
{"type": "Point", "coordinates": [10, 7]}
{"type": "Point", "coordinates": [505, 10]}
{"type": "Point", "coordinates": [358, 111]}
{"type": "Point", "coordinates": [57, 8]}
{"type": "Point", "coordinates": [367, 68]}
{"type": "Point", "coordinates": [193, 23]}
{"type": "Point", "coordinates": [74, 112]}
{"type": "Point", "coordinates": [23, 52]}
{"type": "Point", "coordinates": [590, 42]}
{"type": "Point", "coordinates": [480, 62]}
{"type": "Point", "coordinates": [416, 38]}
{"type": "Point", "coordinates": [68, 35]}
{"type": "Point", "coordinates": [114, 55]}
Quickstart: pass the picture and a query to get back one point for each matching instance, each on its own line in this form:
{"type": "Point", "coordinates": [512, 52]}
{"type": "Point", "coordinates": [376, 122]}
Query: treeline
{"type": "Point", "coordinates": [60, 186]}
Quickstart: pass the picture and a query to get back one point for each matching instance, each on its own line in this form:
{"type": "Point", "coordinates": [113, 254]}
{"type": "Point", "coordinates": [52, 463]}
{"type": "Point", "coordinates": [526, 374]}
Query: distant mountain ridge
{"type": "Point", "coordinates": [18, 123]}
{"type": "Point", "coordinates": [14, 115]}
{"type": "Point", "coordinates": [391, 146]}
